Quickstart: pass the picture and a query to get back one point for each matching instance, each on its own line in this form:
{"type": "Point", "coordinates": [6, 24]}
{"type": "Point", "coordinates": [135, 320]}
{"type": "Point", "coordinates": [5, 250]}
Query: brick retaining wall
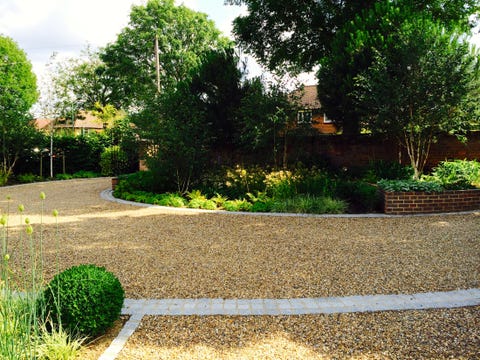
{"type": "Point", "coordinates": [398, 203]}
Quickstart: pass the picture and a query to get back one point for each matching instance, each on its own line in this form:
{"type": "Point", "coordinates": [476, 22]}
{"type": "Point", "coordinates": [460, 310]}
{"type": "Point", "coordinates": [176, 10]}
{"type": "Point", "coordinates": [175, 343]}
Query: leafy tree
{"type": "Point", "coordinates": [265, 116]}
{"type": "Point", "coordinates": [217, 86]}
{"type": "Point", "coordinates": [18, 92]}
{"type": "Point", "coordinates": [76, 84]}
{"type": "Point", "coordinates": [297, 34]}
{"type": "Point", "coordinates": [180, 142]}
{"type": "Point", "coordinates": [183, 35]}
{"type": "Point", "coordinates": [423, 80]}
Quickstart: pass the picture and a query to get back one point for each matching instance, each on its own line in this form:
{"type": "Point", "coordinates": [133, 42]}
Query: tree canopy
{"type": "Point", "coordinates": [18, 92]}
{"type": "Point", "coordinates": [183, 35]}
{"type": "Point", "coordinates": [423, 81]}
{"type": "Point", "coordinates": [297, 34]}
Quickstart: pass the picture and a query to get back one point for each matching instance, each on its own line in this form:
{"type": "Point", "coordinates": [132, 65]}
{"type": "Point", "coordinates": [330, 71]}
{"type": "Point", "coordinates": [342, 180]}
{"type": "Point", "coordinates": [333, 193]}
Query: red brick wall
{"type": "Point", "coordinates": [397, 203]}
{"type": "Point", "coordinates": [360, 151]}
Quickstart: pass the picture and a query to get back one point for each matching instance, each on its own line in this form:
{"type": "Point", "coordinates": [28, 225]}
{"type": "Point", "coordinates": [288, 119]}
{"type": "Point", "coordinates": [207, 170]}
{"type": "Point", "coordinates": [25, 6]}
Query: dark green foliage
{"type": "Point", "coordinates": [80, 152]}
{"type": "Point", "coordinates": [27, 178]}
{"type": "Point", "coordinates": [141, 180]}
{"type": "Point", "coordinates": [85, 174]}
{"type": "Point", "coordinates": [84, 299]}
{"type": "Point", "coordinates": [378, 170]}
{"type": "Point", "coordinates": [78, 175]}
{"type": "Point", "coordinates": [307, 204]}
{"type": "Point", "coordinates": [113, 161]}
{"type": "Point", "coordinates": [18, 92]}
{"type": "Point", "coordinates": [410, 185]}
{"type": "Point", "coordinates": [360, 195]}
{"type": "Point", "coordinates": [311, 26]}
{"type": "Point", "coordinates": [316, 182]}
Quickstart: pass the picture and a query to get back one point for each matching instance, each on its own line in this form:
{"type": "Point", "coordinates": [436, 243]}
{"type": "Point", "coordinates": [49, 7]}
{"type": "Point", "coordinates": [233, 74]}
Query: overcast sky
{"type": "Point", "coordinates": [42, 27]}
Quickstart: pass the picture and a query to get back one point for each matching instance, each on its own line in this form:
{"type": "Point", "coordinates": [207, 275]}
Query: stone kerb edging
{"type": "Point", "coordinates": [275, 307]}
{"type": "Point", "coordinates": [108, 196]}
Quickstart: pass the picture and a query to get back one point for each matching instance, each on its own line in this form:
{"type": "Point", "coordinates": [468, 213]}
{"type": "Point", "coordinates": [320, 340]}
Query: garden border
{"type": "Point", "coordinates": [108, 196]}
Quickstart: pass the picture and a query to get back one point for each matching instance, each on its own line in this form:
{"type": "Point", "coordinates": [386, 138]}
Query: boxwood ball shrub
{"type": "Point", "coordinates": [84, 299]}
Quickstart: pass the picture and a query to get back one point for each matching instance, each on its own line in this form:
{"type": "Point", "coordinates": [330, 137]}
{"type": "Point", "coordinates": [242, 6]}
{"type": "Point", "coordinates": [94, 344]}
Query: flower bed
{"type": "Point", "coordinates": [412, 202]}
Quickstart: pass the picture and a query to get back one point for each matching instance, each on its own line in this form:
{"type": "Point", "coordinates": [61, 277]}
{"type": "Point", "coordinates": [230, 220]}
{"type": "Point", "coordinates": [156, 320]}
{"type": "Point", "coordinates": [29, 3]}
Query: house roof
{"type": "Point", "coordinates": [85, 120]}
{"type": "Point", "coordinates": [308, 97]}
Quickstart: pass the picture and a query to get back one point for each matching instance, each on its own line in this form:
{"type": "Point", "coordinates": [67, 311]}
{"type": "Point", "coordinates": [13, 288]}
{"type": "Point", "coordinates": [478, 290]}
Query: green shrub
{"type": "Point", "coordinates": [28, 178]}
{"type": "Point", "coordinates": [280, 184]}
{"type": "Point", "coordinates": [63, 176]}
{"type": "Point", "coordinates": [113, 161]}
{"type": "Point", "coordinates": [169, 199]}
{"type": "Point", "coordinates": [409, 185]}
{"type": "Point", "coordinates": [239, 181]}
{"type": "Point", "coordinates": [219, 200]}
{"type": "Point", "coordinates": [84, 299]}
{"type": "Point", "coordinates": [261, 202]}
{"type": "Point", "coordinates": [457, 174]}
{"type": "Point", "coordinates": [361, 195]}
{"type": "Point", "coordinates": [141, 180]}
{"type": "Point", "coordinates": [315, 182]}
{"type": "Point", "coordinates": [237, 205]}
{"type": "Point", "coordinates": [387, 170]}
{"type": "Point", "coordinates": [307, 204]}
{"type": "Point", "coordinates": [84, 174]}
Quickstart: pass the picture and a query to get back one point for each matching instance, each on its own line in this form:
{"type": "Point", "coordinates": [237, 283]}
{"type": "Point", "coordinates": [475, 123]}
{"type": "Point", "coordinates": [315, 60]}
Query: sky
{"type": "Point", "coordinates": [44, 27]}
{"type": "Point", "coordinates": [65, 27]}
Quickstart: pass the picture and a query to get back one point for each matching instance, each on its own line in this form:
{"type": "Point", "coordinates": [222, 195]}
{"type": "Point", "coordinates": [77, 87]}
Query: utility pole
{"type": "Point", "coordinates": [157, 63]}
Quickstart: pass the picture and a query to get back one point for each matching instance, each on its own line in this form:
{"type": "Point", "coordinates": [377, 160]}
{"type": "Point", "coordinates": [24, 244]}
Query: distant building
{"type": "Point", "coordinates": [310, 111]}
{"type": "Point", "coordinates": [84, 123]}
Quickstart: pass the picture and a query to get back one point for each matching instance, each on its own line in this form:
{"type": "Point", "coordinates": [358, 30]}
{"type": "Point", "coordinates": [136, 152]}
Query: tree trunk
{"type": "Point", "coordinates": [418, 149]}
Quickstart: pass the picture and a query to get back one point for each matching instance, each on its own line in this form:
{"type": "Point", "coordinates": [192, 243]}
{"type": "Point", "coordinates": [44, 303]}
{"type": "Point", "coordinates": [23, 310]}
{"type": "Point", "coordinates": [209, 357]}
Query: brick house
{"type": "Point", "coordinates": [83, 123]}
{"type": "Point", "coordinates": [310, 111]}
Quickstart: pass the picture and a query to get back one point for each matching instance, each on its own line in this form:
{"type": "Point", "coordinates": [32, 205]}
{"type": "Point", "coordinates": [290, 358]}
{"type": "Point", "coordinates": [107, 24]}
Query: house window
{"type": "Point", "coordinates": [326, 120]}
{"type": "Point", "coordinates": [304, 116]}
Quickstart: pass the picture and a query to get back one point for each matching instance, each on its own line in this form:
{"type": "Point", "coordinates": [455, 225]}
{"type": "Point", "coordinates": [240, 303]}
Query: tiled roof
{"type": "Point", "coordinates": [308, 97]}
{"type": "Point", "coordinates": [84, 120]}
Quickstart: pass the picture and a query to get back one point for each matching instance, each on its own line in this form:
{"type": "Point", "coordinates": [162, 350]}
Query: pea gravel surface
{"type": "Point", "coordinates": [161, 253]}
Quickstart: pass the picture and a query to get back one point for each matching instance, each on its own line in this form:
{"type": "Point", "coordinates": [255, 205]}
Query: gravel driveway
{"type": "Point", "coordinates": [160, 253]}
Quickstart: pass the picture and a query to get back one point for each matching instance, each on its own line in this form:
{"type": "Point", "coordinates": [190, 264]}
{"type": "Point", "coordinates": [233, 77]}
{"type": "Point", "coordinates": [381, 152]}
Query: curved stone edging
{"type": "Point", "coordinates": [108, 195]}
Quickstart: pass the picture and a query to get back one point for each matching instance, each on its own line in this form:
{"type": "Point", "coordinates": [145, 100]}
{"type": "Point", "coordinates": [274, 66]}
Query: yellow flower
{"type": "Point", "coordinates": [7, 257]}
{"type": "Point", "coordinates": [42, 195]}
{"type": "Point", "coordinates": [55, 212]}
{"type": "Point", "coordinates": [29, 230]}
{"type": "Point", "coordinates": [21, 208]}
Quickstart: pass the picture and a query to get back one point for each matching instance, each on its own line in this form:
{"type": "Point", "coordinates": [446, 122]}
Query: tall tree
{"type": "Point", "coordinates": [18, 92]}
{"type": "Point", "coordinates": [423, 81]}
{"type": "Point", "coordinates": [182, 35]}
{"type": "Point", "coordinates": [298, 35]}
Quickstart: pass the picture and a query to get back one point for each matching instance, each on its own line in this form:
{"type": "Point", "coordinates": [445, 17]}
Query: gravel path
{"type": "Point", "coordinates": [159, 253]}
